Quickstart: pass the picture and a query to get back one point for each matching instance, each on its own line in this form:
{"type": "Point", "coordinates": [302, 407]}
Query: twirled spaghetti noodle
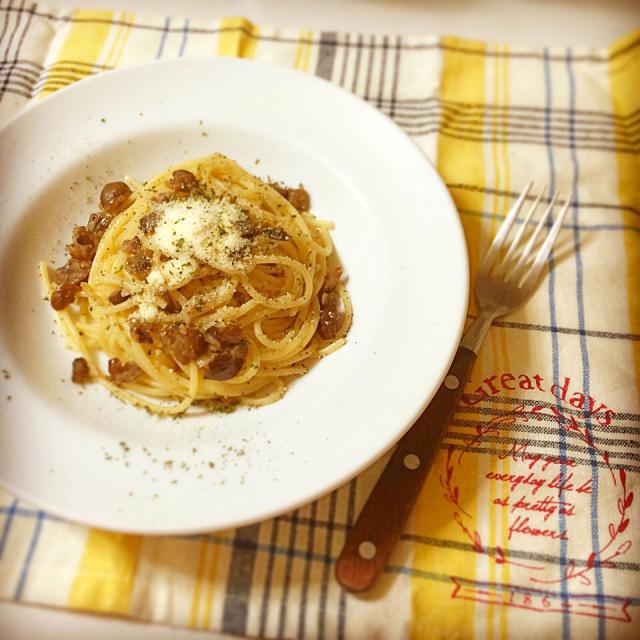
{"type": "Point", "coordinates": [204, 284]}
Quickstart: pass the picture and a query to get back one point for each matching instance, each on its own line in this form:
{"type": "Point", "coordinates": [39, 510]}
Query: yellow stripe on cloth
{"type": "Point", "coordinates": [624, 75]}
{"type": "Point", "coordinates": [120, 29]}
{"type": "Point", "coordinates": [195, 601]}
{"type": "Point", "coordinates": [210, 584]}
{"type": "Point", "coordinates": [494, 511]}
{"type": "Point", "coordinates": [128, 19]}
{"type": "Point", "coordinates": [105, 576]}
{"type": "Point", "coordinates": [203, 592]}
{"type": "Point", "coordinates": [503, 345]}
{"type": "Point", "coordinates": [462, 161]}
{"type": "Point", "coordinates": [238, 38]}
{"type": "Point", "coordinates": [499, 516]}
{"type": "Point", "coordinates": [434, 613]}
{"type": "Point", "coordinates": [84, 43]}
{"type": "Point", "coordinates": [306, 59]}
{"type": "Point", "coordinates": [298, 61]}
{"type": "Point", "coordinates": [120, 40]}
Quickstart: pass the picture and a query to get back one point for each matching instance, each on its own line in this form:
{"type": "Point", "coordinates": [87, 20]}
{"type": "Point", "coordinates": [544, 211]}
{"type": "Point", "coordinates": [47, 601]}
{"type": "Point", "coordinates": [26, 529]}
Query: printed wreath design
{"type": "Point", "coordinates": [604, 556]}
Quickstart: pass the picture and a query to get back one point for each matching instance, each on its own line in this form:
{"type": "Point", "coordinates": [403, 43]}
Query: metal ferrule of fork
{"type": "Point", "coordinates": [476, 333]}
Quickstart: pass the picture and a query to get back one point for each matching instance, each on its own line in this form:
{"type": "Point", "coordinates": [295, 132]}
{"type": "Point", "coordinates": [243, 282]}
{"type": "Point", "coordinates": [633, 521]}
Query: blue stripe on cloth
{"type": "Point", "coordinates": [24, 573]}
{"type": "Point", "coordinates": [163, 38]}
{"type": "Point", "coordinates": [183, 42]}
{"type": "Point", "coordinates": [595, 538]}
{"type": "Point", "coordinates": [11, 512]}
{"type": "Point", "coordinates": [554, 336]}
{"type": "Point", "coordinates": [24, 512]}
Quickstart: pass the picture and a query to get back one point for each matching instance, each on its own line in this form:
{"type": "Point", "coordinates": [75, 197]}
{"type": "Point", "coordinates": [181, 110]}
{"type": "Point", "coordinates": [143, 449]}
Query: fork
{"type": "Point", "coordinates": [506, 278]}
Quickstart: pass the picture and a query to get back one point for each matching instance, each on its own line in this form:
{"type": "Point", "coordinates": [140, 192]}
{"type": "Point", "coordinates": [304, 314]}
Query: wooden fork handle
{"type": "Point", "coordinates": [394, 496]}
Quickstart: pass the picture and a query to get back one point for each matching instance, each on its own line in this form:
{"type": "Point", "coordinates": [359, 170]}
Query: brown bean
{"type": "Point", "coordinates": [172, 306]}
{"type": "Point", "coordinates": [81, 235]}
{"type": "Point", "coordinates": [161, 198]}
{"type": "Point", "coordinates": [98, 223]}
{"type": "Point", "coordinates": [299, 198]}
{"type": "Point", "coordinates": [118, 297]}
{"type": "Point", "coordinates": [148, 223]}
{"type": "Point", "coordinates": [227, 335]}
{"type": "Point", "coordinates": [83, 246]}
{"type": "Point", "coordinates": [120, 372]}
{"type": "Point", "coordinates": [81, 251]}
{"type": "Point", "coordinates": [280, 188]}
{"type": "Point", "coordinates": [223, 366]}
{"type": "Point", "coordinates": [74, 272]}
{"type": "Point", "coordinates": [115, 197]}
{"type": "Point", "coordinates": [132, 245]}
{"type": "Point", "coordinates": [331, 280]}
{"type": "Point", "coordinates": [328, 324]}
{"type": "Point", "coordinates": [139, 264]}
{"type": "Point", "coordinates": [186, 344]}
{"type": "Point", "coordinates": [183, 181]}
{"type": "Point", "coordinates": [63, 296]}
{"type": "Point", "coordinates": [247, 229]}
{"type": "Point", "coordinates": [80, 373]}
{"type": "Point", "coordinates": [140, 334]}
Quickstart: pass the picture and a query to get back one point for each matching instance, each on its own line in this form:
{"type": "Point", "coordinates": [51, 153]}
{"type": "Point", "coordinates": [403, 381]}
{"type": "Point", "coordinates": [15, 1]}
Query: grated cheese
{"type": "Point", "coordinates": [190, 232]}
{"type": "Point", "coordinates": [208, 230]}
{"type": "Point", "coordinates": [147, 311]}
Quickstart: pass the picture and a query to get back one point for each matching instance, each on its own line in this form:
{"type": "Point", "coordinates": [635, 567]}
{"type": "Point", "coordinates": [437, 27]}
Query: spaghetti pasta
{"type": "Point", "coordinates": [205, 286]}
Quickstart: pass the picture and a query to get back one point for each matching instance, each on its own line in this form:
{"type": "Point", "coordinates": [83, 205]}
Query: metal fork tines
{"type": "Point", "coordinates": [510, 269]}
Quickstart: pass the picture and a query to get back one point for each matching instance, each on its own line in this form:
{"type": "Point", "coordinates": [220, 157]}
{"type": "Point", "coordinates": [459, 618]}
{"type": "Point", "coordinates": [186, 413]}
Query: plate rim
{"type": "Point", "coordinates": [265, 514]}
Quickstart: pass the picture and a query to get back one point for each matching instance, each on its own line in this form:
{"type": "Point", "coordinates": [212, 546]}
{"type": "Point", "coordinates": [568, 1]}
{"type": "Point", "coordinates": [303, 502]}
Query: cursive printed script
{"type": "Point", "coordinates": [521, 525]}
{"type": "Point", "coordinates": [519, 453]}
{"type": "Point", "coordinates": [540, 496]}
{"type": "Point", "coordinates": [547, 505]}
{"type": "Point", "coordinates": [495, 384]}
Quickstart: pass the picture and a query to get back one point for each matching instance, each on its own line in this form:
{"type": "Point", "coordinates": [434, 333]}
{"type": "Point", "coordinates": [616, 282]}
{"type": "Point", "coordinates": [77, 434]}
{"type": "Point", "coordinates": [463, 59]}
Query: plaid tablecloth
{"type": "Point", "coordinates": [528, 526]}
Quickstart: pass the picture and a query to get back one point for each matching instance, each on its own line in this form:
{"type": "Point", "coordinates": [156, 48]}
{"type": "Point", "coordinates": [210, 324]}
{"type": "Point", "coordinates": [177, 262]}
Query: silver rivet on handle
{"type": "Point", "coordinates": [451, 382]}
{"type": "Point", "coordinates": [367, 550]}
{"type": "Point", "coordinates": [411, 461]}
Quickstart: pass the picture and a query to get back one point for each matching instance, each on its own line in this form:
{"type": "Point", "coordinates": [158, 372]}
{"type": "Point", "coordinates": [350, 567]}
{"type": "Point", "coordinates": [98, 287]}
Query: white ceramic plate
{"type": "Point", "coordinates": [82, 454]}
